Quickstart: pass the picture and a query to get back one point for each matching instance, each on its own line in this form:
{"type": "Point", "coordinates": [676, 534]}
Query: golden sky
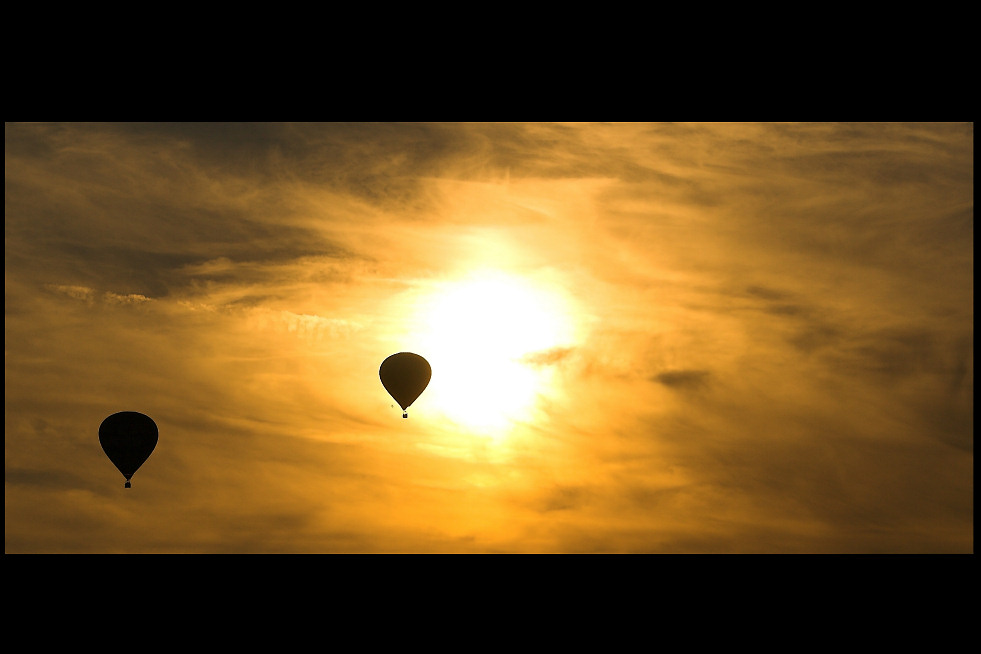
{"type": "Point", "coordinates": [645, 338]}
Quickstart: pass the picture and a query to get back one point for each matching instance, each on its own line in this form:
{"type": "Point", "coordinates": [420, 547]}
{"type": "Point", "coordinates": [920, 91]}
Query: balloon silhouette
{"type": "Point", "coordinates": [405, 376]}
{"type": "Point", "coordinates": [128, 439]}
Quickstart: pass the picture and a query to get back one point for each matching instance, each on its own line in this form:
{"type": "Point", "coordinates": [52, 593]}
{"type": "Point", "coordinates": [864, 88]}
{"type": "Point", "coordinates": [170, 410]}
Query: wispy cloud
{"type": "Point", "coordinates": [773, 343]}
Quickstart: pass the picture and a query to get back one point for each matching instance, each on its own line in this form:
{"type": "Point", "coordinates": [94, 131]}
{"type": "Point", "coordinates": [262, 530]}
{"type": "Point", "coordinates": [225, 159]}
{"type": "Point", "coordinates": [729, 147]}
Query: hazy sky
{"type": "Point", "coordinates": [651, 338]}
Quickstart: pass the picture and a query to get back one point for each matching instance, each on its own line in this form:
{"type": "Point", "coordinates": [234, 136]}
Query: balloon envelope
{"type": "Point", "coordinates": [128, 439]}
{"type": "Point", "coordinates": [405, 376]}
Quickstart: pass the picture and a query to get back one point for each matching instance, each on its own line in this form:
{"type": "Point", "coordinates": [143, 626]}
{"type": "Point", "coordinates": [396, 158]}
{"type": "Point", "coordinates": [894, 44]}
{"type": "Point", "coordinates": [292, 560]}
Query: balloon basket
{"type": "Point", "coordinates": [127, 485]}
{"type": "Point", "coordinates": [405, 415]}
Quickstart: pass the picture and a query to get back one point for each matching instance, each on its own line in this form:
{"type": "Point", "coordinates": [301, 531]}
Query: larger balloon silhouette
{"type": "Point", "coordinates": [405, 376]}
{"type": "Point", "coordinates": [128, 439]}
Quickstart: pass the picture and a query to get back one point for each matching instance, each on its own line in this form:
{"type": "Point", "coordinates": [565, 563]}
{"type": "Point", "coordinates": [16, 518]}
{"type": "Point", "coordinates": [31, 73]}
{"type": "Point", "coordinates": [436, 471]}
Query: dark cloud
{"type": "Point", "coordinates": [683, 379]}
{"type": "Point", "coordinates": [814, 335]}
{"type": "Point", "coordinates": [563, 498]}
{"type": "Point", "coordinates": [382, 163]}
{"type": "Point", "coordinates": [117, 207]}
{"type": "Point", "coordinates": [44, 478]}
{"type": "Point", "coordinates": [767, 293]}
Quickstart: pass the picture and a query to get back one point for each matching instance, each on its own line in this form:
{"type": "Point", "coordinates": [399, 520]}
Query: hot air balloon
{"type": "Point", "coordinates": [128, 439]}
{"type": "Point", "coordinates": [405, 376]}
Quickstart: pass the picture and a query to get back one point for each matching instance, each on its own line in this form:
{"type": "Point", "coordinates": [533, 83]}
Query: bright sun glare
{"type": "Point", "coordinates": [475, 332]}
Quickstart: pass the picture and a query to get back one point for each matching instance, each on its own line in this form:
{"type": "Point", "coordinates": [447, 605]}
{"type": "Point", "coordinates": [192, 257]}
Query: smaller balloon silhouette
{"type": "Point", "coordinates": [405, 376]}
{"type": "Point", "coordinates": [128, 439]}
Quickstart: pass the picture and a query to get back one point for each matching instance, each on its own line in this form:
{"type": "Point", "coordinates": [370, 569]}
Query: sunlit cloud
{"type": "Point", "coordinates": [644, 337]}
{"type": "Point", "coordinates": [83, 293]}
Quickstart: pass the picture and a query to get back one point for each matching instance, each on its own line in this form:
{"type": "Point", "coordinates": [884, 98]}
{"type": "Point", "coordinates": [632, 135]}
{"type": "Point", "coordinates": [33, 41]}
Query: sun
{"type": "Point", "coordinates": [477, 333]}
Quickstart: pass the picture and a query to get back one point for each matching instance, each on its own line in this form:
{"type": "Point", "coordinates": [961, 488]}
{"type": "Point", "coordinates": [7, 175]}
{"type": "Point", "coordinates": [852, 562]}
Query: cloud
{"type": "Point", "coordinates": [130, 298]}
{"type": "Point", "coordinates": [83, 293]}
{"type": "Point", "coordinates": [773, 335]}
{"type": "Point", "coordinates": [548, 357]}
{"type": "Point", "coordinates": [317, 328]}
{"type": "Point", "coordinates": [683, 379]}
